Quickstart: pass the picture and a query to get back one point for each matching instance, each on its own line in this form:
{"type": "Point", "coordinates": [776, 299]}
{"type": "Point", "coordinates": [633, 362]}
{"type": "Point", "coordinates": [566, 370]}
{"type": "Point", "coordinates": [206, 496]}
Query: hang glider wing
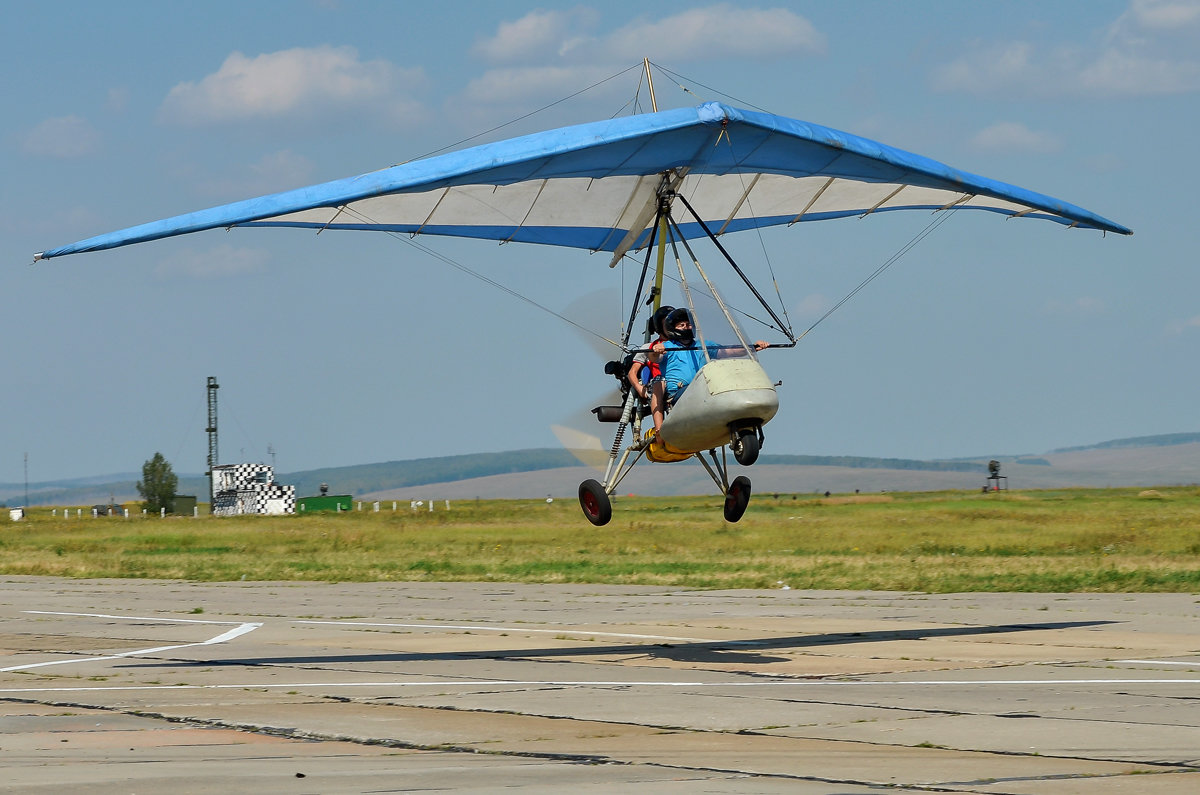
{"type": "Point", "coordinates": [595, 186]}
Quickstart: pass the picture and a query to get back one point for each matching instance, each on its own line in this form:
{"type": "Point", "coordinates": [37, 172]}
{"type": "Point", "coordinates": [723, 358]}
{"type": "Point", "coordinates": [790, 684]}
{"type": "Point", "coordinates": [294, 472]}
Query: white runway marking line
{"type": "Point", "coordinates": [482, 628]}
{"type": "Point", "coordinates": [491, 683]}
{"type": "Point", "coordinates": [1193, 664]}
{"type": "Point", "coordinates": [239, 630]}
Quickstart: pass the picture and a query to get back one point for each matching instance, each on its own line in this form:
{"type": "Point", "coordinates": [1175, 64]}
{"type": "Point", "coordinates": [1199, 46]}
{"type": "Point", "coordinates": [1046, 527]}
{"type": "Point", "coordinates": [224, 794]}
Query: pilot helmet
{"type": "Point", "coordinates": [684, 336]}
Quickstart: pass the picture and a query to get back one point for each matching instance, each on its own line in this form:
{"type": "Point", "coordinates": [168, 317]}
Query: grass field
{"type": "Point", "coordinates": [1110, 540]}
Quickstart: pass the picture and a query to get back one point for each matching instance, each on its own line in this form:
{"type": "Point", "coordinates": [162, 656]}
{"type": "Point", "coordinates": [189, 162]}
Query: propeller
{"type": "Point", "coordinates": [578, 430]}
{"type": "Point", "coordinates": [589, 448]}
{"type": "Point", "coordinates": [596, 319]}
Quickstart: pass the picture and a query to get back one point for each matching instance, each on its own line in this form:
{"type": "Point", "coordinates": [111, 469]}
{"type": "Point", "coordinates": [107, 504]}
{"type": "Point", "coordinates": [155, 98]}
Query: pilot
{"type": "Point", "coordinates": [681, 359]}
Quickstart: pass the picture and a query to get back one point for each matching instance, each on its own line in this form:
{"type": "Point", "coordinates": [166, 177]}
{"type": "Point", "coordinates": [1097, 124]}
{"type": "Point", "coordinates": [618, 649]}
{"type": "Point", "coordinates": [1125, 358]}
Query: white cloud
{"type": "Point", "coordinates": [294, 83]}
{"type": "Point", "coordinates": [1001, 64]}
{"type": "Point", "coordinates": [1150, 49]}
{"type": "Point", "coordinates": [1120, 72]}
{"type": "Point", "coordinates": [223, 260]}
{"type": "Point", "coordinates": [1156, 16]}
{"type": "Point", "coordinates": [1008, 136]}
{"type": "Point", "coordinates": [534, 36]}
{"type": "Point", "coordinates": [1180, 326]}
{"type": "Point", "coordinates": [724, 29]}
{"type": "Point", "coordinates": [553, 50]}
{"type": "Point", "coordinates": [62, 136]}
{"type": "Point", "coordinates": [690, 34]}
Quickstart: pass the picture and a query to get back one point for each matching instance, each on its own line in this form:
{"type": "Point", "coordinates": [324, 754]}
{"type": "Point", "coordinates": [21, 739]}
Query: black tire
{"type": "Point", "coordinates": [746, 447]}
{"type": "Point", "coordinates": [593, 499]}
{"type": "Point", "coordinates": [737, 498]}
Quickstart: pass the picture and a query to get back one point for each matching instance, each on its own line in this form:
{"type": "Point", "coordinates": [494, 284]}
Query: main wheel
{"type": "Point", "coordinates": [737, 498]}
{"type": "Point", "coordinates": [745, 446]}
{"type": "Point", "coordinates": [593, 499]}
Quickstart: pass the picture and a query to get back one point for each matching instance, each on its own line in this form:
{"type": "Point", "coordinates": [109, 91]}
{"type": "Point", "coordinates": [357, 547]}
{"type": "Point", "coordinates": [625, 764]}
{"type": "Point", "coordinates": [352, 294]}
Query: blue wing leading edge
{"type": "Point", "coordinates": [594, 186]}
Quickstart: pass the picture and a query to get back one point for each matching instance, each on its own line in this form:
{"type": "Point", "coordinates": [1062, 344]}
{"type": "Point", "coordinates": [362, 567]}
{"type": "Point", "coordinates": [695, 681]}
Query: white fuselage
{"type": "Point", "coordinates": [724, 392]}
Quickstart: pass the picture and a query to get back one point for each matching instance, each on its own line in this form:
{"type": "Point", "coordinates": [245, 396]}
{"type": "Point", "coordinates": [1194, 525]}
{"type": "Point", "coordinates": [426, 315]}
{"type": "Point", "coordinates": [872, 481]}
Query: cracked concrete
{"type": "Point", "coordinates": [146, 686]}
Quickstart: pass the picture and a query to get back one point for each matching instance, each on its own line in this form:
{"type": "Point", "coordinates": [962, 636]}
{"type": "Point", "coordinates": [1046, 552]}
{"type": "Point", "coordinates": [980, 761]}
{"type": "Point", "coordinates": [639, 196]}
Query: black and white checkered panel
{"type": "Point", "coordinates": [233, 477]}
{"type": "Point", "coordinates": [250, 489]}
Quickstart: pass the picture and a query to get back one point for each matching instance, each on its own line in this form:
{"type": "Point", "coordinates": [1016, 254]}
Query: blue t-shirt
{"type": "Point", "coordinates": [680, 365]}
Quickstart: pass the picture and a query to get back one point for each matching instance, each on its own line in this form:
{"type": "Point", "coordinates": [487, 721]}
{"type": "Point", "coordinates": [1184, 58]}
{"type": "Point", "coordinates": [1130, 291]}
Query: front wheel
{"type": "Point", "coordinates": [593, 499]}
{"type": "Point", "coordinates": [737, 498]}
{"type": "Point", "coordinates": [745, 447]}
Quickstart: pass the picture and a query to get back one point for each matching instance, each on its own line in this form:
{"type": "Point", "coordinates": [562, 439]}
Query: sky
{"type": "Point", "coordinates": [989, 338]}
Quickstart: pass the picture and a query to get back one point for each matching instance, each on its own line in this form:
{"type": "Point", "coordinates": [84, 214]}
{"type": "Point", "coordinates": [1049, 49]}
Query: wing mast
{"type": "Point", "coordinates": [662, 220]}
{"type": "Point", "coordinates": [650, 85]}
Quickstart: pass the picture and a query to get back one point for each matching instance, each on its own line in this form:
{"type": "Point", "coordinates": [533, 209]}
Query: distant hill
{"type": "Point", "coordinates": [365, 478]}
{"type": "Point", "coordinates": [858, 462]}
{"type": "Point", "coordinates": [1093, 468]}
{"type": "Point", "coordinates": [95, 490]}
{"type": "Point", "coordinates": [1143, 461]}
{"type": "Point", "coordinates": [1165, 440]}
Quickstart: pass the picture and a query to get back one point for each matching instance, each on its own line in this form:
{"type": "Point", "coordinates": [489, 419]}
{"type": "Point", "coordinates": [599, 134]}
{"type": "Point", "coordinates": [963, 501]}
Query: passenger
{"type": "Point", "coordinates": [645, 367]}
{"type": "Point", "coordinates": [681, 359]}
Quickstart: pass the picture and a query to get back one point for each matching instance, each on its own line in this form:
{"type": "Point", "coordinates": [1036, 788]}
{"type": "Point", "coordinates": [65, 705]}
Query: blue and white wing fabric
{"type": "Point", "coordinates": [596, 186]}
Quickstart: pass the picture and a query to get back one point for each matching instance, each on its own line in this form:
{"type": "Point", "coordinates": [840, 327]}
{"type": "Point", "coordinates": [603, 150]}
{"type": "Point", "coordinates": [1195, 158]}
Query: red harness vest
{"type": "Point", "coordinates": [655, 367]}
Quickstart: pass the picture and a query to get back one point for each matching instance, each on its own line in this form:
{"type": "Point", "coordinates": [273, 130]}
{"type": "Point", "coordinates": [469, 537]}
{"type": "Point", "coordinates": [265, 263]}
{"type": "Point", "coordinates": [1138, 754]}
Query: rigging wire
{"type": "Point", "coordinates": [712, 290]}
{"type": "Point", "coordinates": [635, 102]}
{"type": "Point", "coordinates": [762, 244]}
{"type": "Point", "coordinates": [524, 116]}
{"type": "Point", "coordinates": [481, 277]}
{"type": "Point", "coordinates": [675, 77]}
{"type": "Point", "coordinates": [733, 264]}
{"type": "Point", "coordinates": [929, 228]}
{"type": "Point", "coordinates": [704, 292]}
{"type": "Point", "coordinates": [924, 233]}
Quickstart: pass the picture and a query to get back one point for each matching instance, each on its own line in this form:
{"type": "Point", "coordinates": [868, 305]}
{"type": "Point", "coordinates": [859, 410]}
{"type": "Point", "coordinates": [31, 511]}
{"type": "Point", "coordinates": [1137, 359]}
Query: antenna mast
{"type": "Point", "coordinates": [213, 386]}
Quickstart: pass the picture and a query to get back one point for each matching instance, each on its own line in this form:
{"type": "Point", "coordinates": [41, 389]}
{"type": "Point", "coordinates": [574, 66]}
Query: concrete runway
{"type": "Point", "coordinates": [164, 686]}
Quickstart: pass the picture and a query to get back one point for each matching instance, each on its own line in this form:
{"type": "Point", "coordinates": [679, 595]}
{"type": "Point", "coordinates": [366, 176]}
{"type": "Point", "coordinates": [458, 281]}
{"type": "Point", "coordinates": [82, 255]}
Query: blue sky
{"type": "Point", "coordinates": [988, 338]}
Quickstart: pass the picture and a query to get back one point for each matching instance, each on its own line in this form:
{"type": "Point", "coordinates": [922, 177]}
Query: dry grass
{"type": "Point", "coordinates": [1048, 541]}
